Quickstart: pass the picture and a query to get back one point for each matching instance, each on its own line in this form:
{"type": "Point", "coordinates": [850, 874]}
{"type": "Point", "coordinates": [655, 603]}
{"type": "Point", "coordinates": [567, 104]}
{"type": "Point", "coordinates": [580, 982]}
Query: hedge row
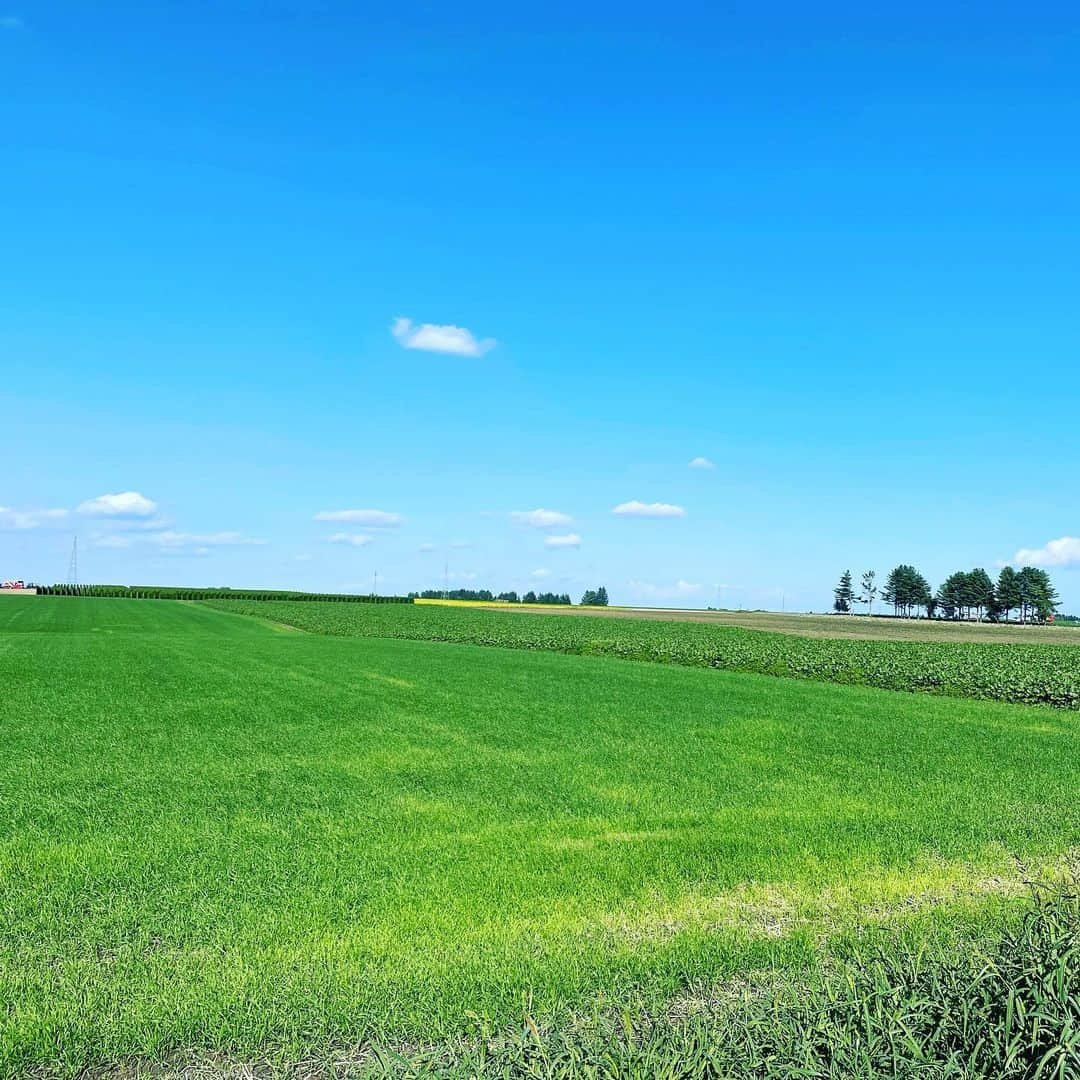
{"type": "Point", "coordinates": [171, 592]}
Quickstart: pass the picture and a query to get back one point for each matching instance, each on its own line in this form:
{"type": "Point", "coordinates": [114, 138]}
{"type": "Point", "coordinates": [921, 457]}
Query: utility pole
{"type": "Point", "coordinates": [73, 564]}
{"type": "Point", "coordinates": [375, 584]}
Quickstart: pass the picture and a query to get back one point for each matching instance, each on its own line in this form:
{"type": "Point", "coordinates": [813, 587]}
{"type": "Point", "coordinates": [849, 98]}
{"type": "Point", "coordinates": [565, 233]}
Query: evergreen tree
{"type": "Point", "coordinates": [1038, 597]}
{"type": "Point", "coordinates": [1007, 593]}
{"type": "Point", "coordinates": [980, 591]}
{"type": "Point", "coordinates": [952, 595]}
{"type": "Point", "coordinates": [844, 594]}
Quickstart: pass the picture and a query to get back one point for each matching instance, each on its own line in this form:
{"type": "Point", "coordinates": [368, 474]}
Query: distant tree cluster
{"type": "Point", "coordinates": [546, 598]}
{"type": "Point", "coordinates": [966, 594]}
{"type": "Point", "coordinates": [487, 595]}
{"type": "Point", "coordinates": [595, 598]}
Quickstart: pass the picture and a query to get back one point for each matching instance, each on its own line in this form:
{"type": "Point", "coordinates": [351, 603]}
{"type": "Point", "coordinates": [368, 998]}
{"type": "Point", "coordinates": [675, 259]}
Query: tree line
{"type": "Point", "coordinates": [591, 598]}
{"type": "Point", "coordinates": [178, 592]}
{"type": "Point", "coordinates": [966, 594]}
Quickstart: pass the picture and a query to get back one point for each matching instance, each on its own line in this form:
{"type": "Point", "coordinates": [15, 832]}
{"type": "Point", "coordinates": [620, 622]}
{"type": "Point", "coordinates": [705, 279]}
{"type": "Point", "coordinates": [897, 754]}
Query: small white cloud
{"type": "Point", "coordinates": [701, 463]}
{"type": "Point", "coordinates": [649, 510]}
{"type": "Point", "coordinates": [431, 337]}
{"type": "Point", "coordinates": [426, 547]}
{"type": "Point", "coordinates": [462, 575]}
{"type": "Point", "coordinates": [170, 539]}
{"type": "Point", "coordinates": [570, 540]}
{"type": "Point", "coordinates": [540, 519]}
{"type": "Point", "coordinates": [29, 519]}
{"type": "Point", "coordinates": [1065, 551]}
{"type": "Point", "coordinates": [373, 519]}
{"type": "Point", "coordinates": [355, 539]}
{"type": "Point", "coordinates": [124, 504]}
{"type": "Point", "coordinates": [541, 572]}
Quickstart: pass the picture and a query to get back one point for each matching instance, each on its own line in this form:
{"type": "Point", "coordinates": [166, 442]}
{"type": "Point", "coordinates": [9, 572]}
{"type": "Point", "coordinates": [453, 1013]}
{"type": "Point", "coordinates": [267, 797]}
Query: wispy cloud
{"type": "Point", "coordinates": [570, 540]}
{"type": "Point", "coordinates": [426, 547]}
{"type": "Point", "coordinates": [681, 588]}
{"type": "Point", "coordinates": [701, 463]}
{"type": "Point", "coordinates": [541, 572]}
{"type": "Point", "coordinates": [540, 519]}
{"type": "Point", "coordinates": [30, 519]}
{"type": "Point", "coordinates": [169, 538]}
{"type": "Point", "coordinates": [431, 337]}
{"type": "Point", "coordinates": [110, 540]}
{"type": "Point", "coordinates": [11, 22]}
{"type": "Point", "coordinates": [123, 504]}
{"type": "Point", "coordinates": [373, 519]}
{"type": "Point", "coordinates": [355, 539]}
{"type": "Point", "coordinates": [1065, 552]}
{"type": "Point", "coordinates": [634, 508]}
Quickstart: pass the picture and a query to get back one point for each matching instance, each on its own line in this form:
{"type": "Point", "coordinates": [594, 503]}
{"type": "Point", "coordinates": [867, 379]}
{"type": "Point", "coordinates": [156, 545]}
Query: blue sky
{"type": "Point", "coordinates": [833, 251]}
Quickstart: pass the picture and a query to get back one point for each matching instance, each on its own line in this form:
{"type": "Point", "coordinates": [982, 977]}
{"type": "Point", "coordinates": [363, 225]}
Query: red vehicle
{"type": "Point", "coordinates": [13, 584]}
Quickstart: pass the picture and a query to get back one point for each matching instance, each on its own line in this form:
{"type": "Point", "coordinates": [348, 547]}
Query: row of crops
{"type": "Point", "coordinates": [171, 592]}
{"type": "Point", "coordinates": [1033, 674]}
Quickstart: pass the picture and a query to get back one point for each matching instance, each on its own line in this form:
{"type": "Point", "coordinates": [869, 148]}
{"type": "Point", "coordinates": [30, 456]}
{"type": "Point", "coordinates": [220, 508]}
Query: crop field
{"type": "Point", "coordinates": [224, 838]}
{"type": "Point", "coordinates": [1046, 674]}
{"type": "Point", "coordinates": [874, 628]}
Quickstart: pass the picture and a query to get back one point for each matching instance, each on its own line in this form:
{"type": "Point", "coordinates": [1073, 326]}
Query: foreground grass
{"type": "Point", "coordinates": [222, 836]}
{"type": "Point", "coordinates": [1022, 673]}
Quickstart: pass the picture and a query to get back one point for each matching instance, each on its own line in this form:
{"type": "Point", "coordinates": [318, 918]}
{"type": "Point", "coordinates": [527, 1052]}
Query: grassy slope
{"type": "Point", "coordinates": [216, 833]}
{"type": "Point", "coordinates": [1020, 673]}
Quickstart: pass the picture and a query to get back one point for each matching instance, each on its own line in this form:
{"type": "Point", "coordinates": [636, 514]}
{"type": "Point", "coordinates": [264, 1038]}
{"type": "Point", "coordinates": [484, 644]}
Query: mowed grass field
{"type": "Point", "coordinates": [220, 834]}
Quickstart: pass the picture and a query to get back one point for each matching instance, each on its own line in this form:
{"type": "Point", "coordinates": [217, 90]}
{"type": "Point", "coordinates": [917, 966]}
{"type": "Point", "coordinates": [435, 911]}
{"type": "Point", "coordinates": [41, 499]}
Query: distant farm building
{"type": "Point", "coordinates": [20, 588]}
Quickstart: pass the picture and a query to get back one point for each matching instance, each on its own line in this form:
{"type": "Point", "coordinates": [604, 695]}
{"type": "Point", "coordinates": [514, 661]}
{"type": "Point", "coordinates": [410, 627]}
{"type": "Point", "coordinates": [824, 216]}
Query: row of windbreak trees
{"type": "Point", "coordinates": [1026, 595]}
{"type": "Point", "coordinates": [487, 596]}
{"type": "Point", "coordinates": [171, 592]}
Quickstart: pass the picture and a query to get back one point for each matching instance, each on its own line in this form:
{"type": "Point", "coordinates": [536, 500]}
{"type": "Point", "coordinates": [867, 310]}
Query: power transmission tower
{"type": "Point", "coordinates": [73, 564]}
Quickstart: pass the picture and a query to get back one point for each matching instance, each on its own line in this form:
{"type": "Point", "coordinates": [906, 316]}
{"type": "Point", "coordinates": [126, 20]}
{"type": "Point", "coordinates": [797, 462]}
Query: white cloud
{"type": "Point", "coordinates": [635, 508]}
{"type": "Point", "coordinates": [124, 504]}
{"type": "Point", "coordinates": [355, 539]}
{"type": "Point", "coordinates": [1065, 551]}
{"type": "Point", "coordinates": [701, 463]}
{"type": "Point", "coordinates": [431, 337]}
{"type": "Point", "coordinates": [567, 541]}
{"type": "Point", "coordinates": [110, 540]}
{"type": "Point", "coordinates": [541, 572]}
{"type": "Point", "coordinates": [540, 519]}
{"type": "Point", "coordinates": [681, 588]}
{"type": "Point", "coordinates": [373, 519]}
{"type": "Point", "coordinates": [29, 519]}
{"type": "Point", "coordinates": [170, 539]}
{"type": "Point", "coordinates": [462, 575]}
{"type": "Point", "coordinates": [426, 547]}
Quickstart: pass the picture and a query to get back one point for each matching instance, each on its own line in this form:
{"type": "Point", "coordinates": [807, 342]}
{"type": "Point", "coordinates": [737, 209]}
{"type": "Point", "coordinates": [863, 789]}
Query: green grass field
{"type": "Point", "coordinates": [1016, 671]}
{"type": "Point", "coordinates": [220, 834]}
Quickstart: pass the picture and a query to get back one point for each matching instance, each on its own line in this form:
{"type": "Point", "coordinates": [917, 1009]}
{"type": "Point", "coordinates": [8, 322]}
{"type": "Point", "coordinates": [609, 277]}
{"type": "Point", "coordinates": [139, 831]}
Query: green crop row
{"type": "Point", "coordinates": [176, 592]}
{"type": "Point", "coordinates": [1032, 674]}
